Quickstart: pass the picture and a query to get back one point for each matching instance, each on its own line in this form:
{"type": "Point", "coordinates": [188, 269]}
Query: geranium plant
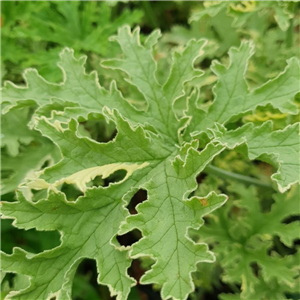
{"type": "Point", "coordinates": [161, 150]}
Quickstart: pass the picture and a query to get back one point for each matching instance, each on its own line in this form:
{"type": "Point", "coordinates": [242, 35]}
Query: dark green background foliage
{"type": "Point", "coordinates": [245, 233]}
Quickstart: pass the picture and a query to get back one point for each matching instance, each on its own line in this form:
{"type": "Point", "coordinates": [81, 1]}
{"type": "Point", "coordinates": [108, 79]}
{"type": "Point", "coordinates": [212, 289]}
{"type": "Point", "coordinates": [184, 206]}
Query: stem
{"type": "Point", "coordinates": [212, 170]}
{"type": "Point", "coordinates": [289, 33]}
{"type": "Point", "coordinates": [150, 13]}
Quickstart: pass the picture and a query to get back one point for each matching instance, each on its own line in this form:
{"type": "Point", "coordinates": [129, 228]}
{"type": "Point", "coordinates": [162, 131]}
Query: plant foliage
{"type": "Point", "coordinates": [158, 146]}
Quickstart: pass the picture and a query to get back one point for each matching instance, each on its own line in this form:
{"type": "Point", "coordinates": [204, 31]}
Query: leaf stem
{"type": "Point", "coordinates": [212, 170]}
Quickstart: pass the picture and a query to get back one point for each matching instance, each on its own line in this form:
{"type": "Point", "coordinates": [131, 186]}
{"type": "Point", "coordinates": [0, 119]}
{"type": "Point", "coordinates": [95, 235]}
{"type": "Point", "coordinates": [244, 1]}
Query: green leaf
{"type": "Point", "coordinates": [84, 26]}
{"type": "Point", "coordinates": [85, 233]}
{"type": "Point", "coordinates": [47, 211]}
{"type": "Point", "coordinates": [139, 149]}
{"type": "Point", "coordinates": [230, 297]}
{"type": "Point", "coordinates": [242, 11]}
{"type": "Point", "coordinates": [242, 235]}
{"type": "Point", "coordinates": [165, 236]}
{"type": "Point", "coordinates": [18, 282]}
{"type": "Point", "coordinates": [282, 15]}
{"type": "Point", "coordinates": [81, 90]}
{"type": "Point", "coordinates": [14, 131]}
{"type": "Point", "coordinates": [279, 148]}
{"type": "Point", "coordinates": [209, 10]}
{"type": "Point", "coordinates": [24, 165]}
{"type": "Point", "coordinates": [233, 98]}
{"type": "Point", "coordinates": [68, 25]}
{"type": "Point", "coordinates": [140, 66]}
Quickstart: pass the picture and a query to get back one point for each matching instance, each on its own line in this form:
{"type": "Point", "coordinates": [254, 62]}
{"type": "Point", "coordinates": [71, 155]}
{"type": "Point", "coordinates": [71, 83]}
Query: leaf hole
{"type": "Point", "coordinates": [129, 238]}
{"type": "Point", "coordinates": [281, 248]}
{"type": "Point", "coordinates": [255, 269]}
{"type": "Point", "coordinates": [201, 177]}
{"type": "Point", "coordinates": [71, 191]}
{"type": "Point", "coordinates": [85, 285]}
{"type": "Point", "coordinates": [291, 219]}
{"type": "Point", "coordinates": [99, 130]}
{"type": "Point", "coordinates": [46, 164]}
{"type": "Point", "coordinates": [137, 270]}
{"type": "Point", "coordinates": [139, 197]}
{"type": "Point", "coordinates": [97, 181]}
{"type": "Point", "coordinates": [115, 177]}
